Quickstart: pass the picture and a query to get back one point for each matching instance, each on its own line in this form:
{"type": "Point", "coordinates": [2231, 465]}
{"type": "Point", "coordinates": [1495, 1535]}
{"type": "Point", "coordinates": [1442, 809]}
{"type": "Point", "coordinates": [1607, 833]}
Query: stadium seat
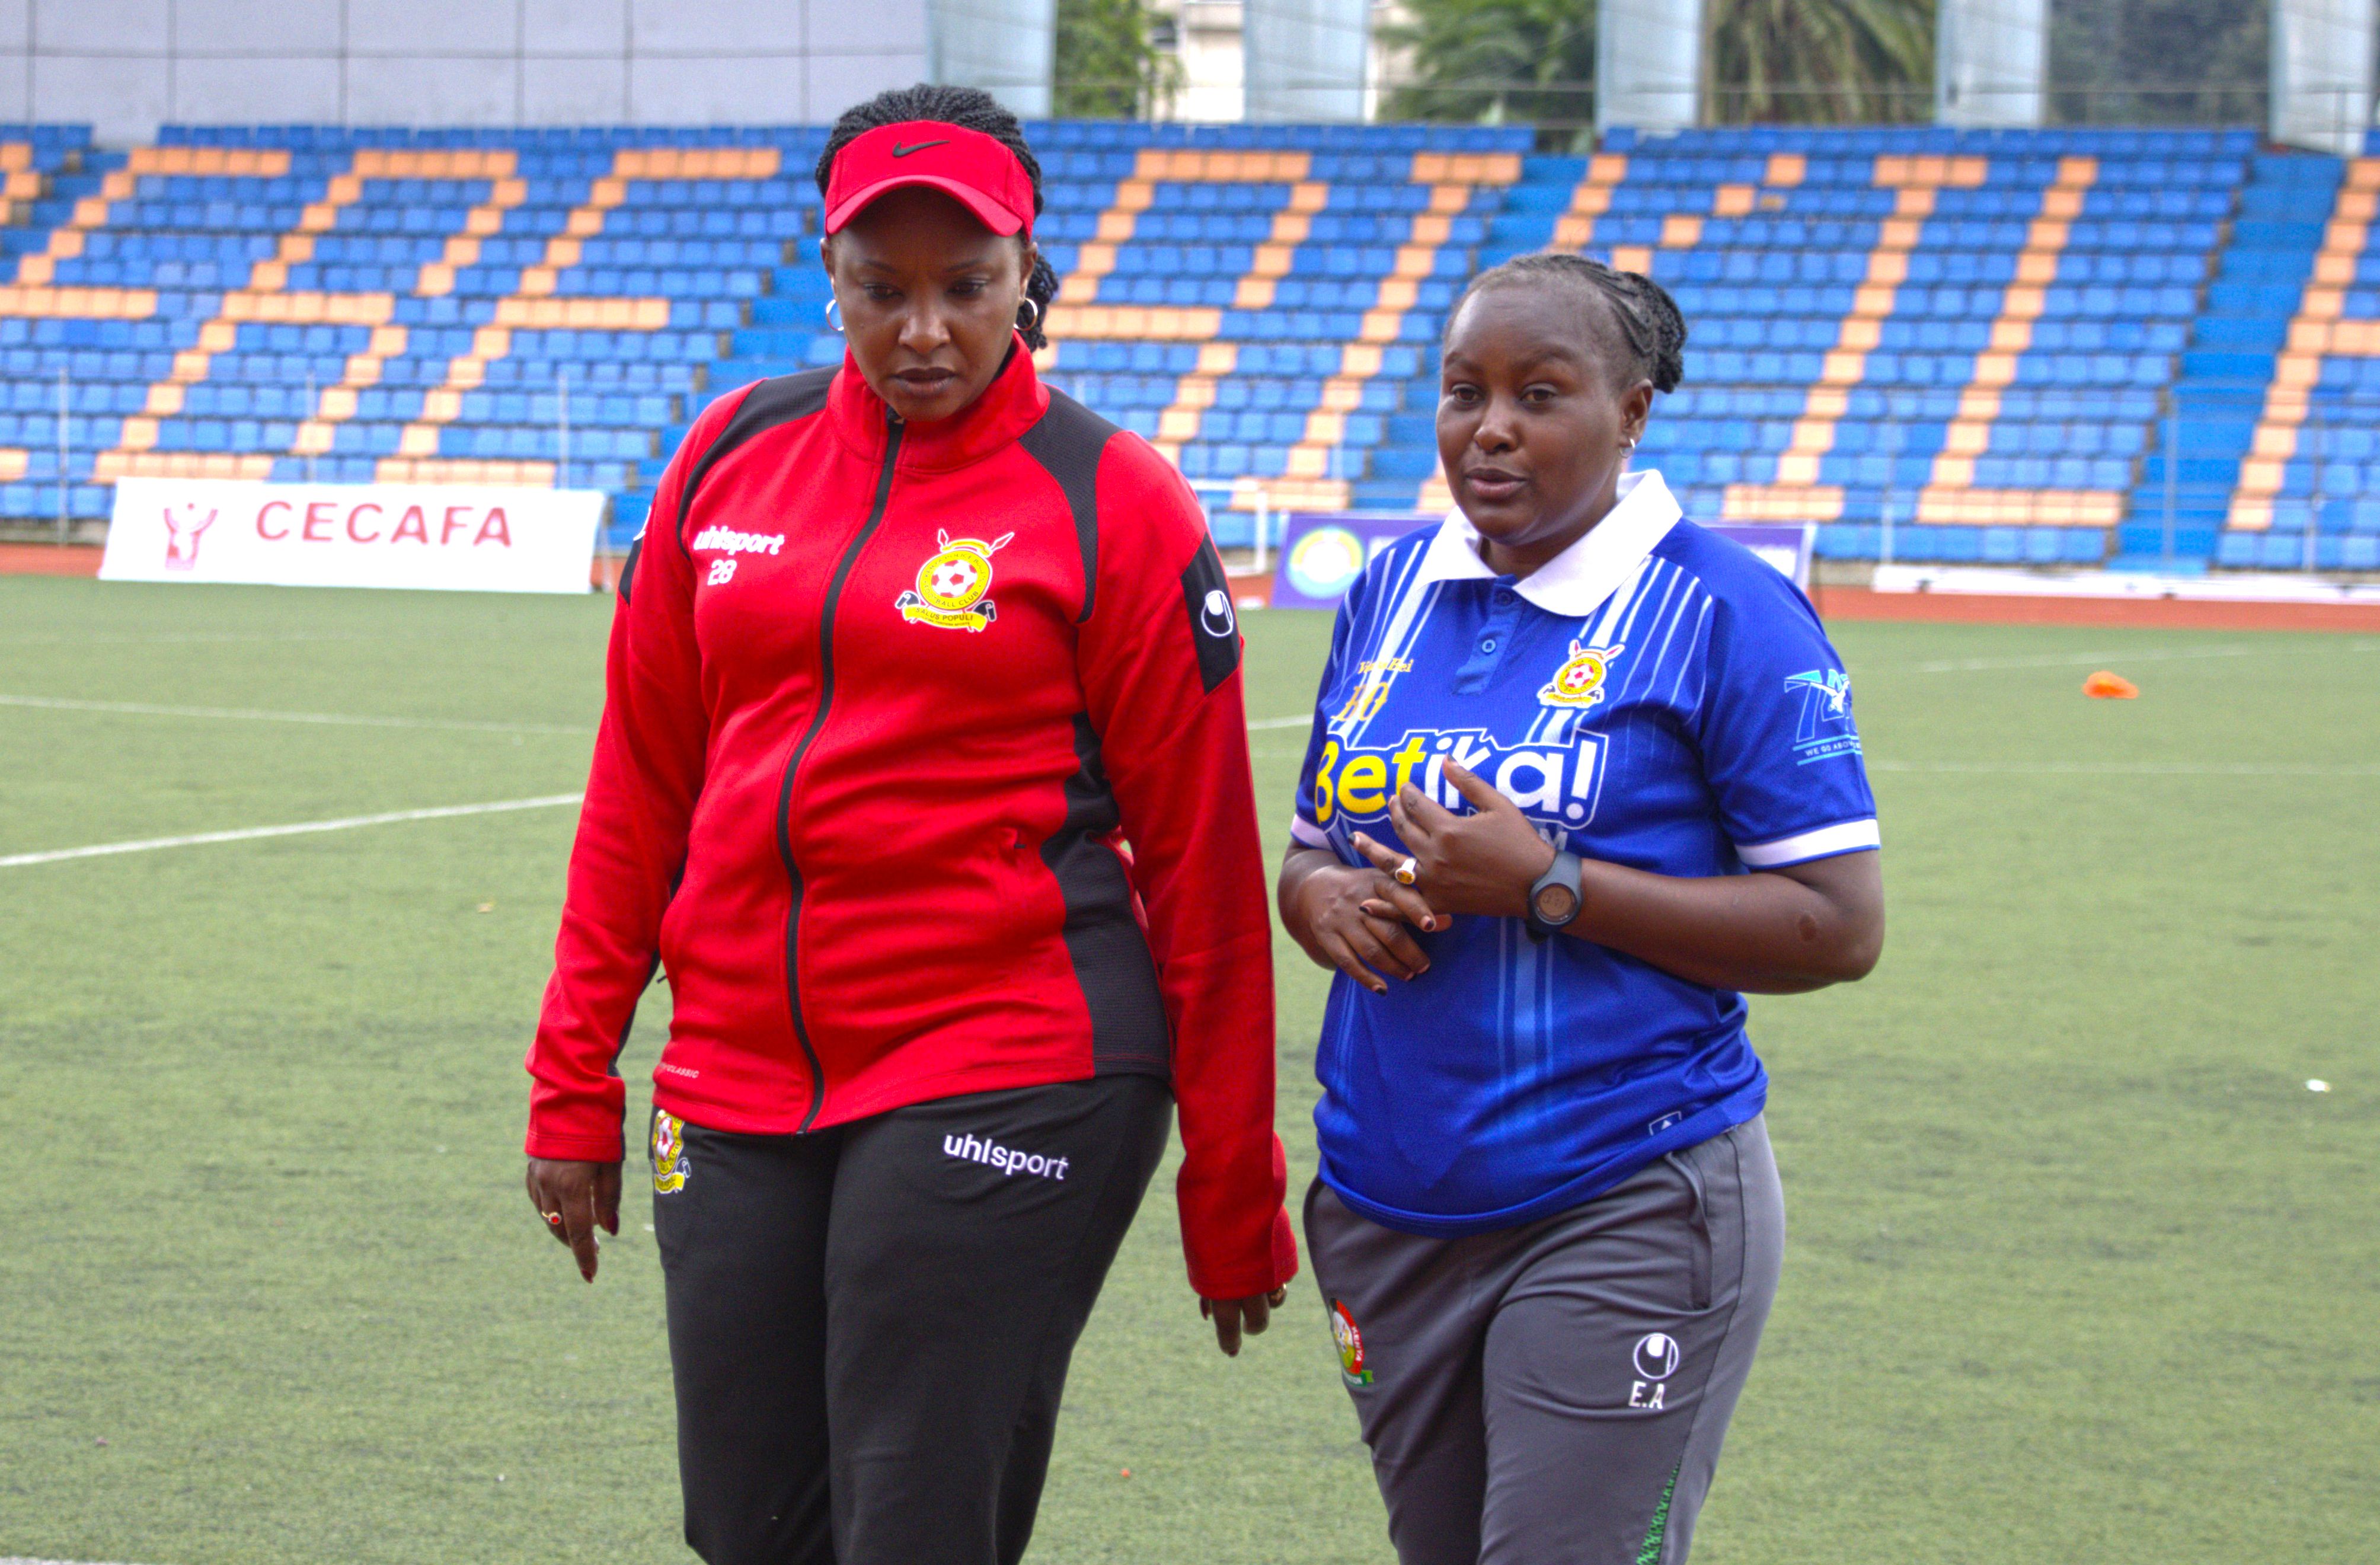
{"type": "Point", "coordinates": [1987, 333]}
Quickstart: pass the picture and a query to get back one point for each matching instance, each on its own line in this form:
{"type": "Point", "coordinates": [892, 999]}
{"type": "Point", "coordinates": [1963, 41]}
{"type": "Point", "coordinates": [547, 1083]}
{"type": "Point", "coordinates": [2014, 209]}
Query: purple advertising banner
{"type": "Point", "coordinates": [1322, 553]}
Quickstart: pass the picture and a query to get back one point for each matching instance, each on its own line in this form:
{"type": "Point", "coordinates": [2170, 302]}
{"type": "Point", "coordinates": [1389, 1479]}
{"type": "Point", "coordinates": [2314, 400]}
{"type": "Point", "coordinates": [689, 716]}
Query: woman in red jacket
{"type": "Point", "coordinates": [923, 776]}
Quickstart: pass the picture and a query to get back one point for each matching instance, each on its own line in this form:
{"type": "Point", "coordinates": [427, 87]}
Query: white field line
{"type": "Point", "coordinates": [178, 638]}
{"type": "Point", "coordinates": [250, 714]}
{"type": "Point", "coordinates": [1255, 725]}
{"type": "Point", "coordinates": [350, 720]}
{"type": "Point", "coordinates": [253, 833]}
{"type": "Point", "coordinates": [2060, 769]}
{"type": "Point", "coordinates": [2142, 655]}
{"type": "Point", "coordinates": [2129, 768]}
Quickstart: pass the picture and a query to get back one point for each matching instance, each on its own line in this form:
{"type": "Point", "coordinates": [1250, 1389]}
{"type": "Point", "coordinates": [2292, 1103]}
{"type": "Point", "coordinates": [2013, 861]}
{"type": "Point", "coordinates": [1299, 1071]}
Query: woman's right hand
{"type": "Point", "coordinates": [1355, 919]}
{"type": "Point", "coordinates": [571, 1198]}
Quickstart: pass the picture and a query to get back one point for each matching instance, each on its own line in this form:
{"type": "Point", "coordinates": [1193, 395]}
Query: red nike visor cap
{"type": "Point", "coordinates": [967, 163]}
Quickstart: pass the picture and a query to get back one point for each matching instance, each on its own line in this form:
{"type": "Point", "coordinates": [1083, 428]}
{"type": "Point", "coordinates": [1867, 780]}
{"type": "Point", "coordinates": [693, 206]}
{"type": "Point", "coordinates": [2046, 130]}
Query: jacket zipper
{"type": "Point", "coordinates": [893, 432]}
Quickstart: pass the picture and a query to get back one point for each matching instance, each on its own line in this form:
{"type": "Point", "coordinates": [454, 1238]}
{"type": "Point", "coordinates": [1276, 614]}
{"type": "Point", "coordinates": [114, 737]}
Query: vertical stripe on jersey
{"type": "Point", "coordinates": [1067, 442]}
{"type": "Point", "coordinates": [1129, 1031]}
{"type": "Point", "coordinates": [1407, 612]}
{"type": "Point", "coordinates": [1104, 941]}
{"type": "Point", "coordinates": [766, 405]}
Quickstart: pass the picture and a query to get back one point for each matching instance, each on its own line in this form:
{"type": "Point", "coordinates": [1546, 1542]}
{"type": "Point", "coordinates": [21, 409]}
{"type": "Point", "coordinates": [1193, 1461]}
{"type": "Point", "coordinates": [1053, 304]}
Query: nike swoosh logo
{"type": "Point", "coordinates": [919, 147]}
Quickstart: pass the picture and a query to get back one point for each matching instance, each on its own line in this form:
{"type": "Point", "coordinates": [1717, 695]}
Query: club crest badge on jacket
{"type": "Point", "coordinates": [952, 586]}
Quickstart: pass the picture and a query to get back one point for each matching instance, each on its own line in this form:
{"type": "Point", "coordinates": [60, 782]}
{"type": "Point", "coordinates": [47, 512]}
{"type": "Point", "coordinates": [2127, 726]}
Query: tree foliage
{"type": "Point", "coordinates": [1809, 61]}
{"type": "Point", "coordinates": [1529, 61]}
{"type": "Point", "coordinates": [1108, 64]}
{"type": "Point", "coordinates": [1821, 62]}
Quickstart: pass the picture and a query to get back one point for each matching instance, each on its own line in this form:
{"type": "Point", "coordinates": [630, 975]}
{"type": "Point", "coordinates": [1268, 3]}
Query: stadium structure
{"type": "Point", "coordinates": [1955, 344]}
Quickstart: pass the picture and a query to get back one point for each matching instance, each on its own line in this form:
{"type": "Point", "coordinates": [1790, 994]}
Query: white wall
{"type": "Point", "coordinates": [1990, 60]}
{"type": "Point", "coordinates": [1648, 64]}
{"type": "Point", "coordinates": [2322, 74]}
{"type": "Point", "coordinates": [1304, 59]}
{"type": "Point", "coordinates": [127, 66]}
{"type": "Point", "coordinates": [1006, 47]}
{"type": "Point", "coordinates": [1208, 43]}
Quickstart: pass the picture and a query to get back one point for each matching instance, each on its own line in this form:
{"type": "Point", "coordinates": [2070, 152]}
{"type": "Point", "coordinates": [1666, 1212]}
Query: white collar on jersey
{"type": "Point", "coordinates": [1575, 582]}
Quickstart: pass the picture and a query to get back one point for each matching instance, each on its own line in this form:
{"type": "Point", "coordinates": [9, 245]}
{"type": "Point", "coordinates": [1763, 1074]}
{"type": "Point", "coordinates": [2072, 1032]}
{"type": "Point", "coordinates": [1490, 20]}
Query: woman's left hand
{"type": "Point", "coordinates": [1483, 863]}
{"type": "Point", "coordinates": [1231, 1315]}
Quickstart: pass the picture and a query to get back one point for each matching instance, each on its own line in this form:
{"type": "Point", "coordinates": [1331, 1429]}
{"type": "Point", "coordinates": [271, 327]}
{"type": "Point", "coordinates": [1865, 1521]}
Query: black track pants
{"type": "Point", "coordinates": [869, 1325]}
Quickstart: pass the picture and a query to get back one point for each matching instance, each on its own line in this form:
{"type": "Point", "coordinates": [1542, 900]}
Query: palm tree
{"type": "Point", "coordinates": [1814, 61]}
{"type": "Point", "coordinates": [1829, 61]}
{"type": "Point", "coordinates": [1493, 61]}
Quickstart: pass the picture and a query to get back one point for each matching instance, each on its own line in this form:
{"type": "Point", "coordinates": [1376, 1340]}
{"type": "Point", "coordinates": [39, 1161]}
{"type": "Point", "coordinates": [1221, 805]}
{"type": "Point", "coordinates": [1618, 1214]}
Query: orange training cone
{"type": "Point", "coordinates": [2106, 686]}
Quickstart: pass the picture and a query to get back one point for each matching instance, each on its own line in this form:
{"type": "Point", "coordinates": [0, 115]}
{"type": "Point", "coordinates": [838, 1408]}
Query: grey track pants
{"type": "Point", "coordinates": [1556, 1394]}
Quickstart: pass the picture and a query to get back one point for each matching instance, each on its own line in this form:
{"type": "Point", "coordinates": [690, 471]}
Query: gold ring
{"type": "Point", "coordinates": [554, 1218]}
{"type": "Point", "coordinates": [1408, 872]}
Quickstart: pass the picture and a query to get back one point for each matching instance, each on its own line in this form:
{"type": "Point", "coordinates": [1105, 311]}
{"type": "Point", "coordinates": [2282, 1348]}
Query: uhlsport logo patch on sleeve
{"type": "Point", "coordinates": [1214, 626]}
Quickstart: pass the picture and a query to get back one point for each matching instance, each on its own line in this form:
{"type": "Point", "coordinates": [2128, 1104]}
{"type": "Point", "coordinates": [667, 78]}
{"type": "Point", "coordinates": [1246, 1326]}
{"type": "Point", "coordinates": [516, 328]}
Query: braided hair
{"type": "Point", "coordinates": [1650, 327]}
{"type": "Point", "coordinates": [969, 108]}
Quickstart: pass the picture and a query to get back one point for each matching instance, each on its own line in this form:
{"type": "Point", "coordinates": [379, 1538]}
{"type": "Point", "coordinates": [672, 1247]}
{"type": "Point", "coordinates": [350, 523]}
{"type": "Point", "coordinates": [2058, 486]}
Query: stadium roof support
{"type": "Point", "coordinates": [2322, 74]}
{"type": "Point", "coordinates": [1304, 59]}
{"type": "Point", "coordinates": [1991, 61]}
{"type": "Point", "coordinates": [1648, 64]}
{"type": "Point", "coordinates": [1006, 47]}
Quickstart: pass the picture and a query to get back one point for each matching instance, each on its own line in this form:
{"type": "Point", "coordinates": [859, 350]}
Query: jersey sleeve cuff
{"type": "Point", "coordinates": [1844, 836]}
{"type": "Point", "coordinates": [1306, 834]}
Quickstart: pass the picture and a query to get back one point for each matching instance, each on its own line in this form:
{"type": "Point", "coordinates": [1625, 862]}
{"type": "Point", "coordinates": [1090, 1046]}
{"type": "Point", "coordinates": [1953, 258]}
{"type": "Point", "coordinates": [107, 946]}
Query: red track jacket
{"type": "Point", "coordinates": [883, 706]}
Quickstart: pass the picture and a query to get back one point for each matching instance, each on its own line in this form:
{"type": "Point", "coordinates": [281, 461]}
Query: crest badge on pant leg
{"type": "Point", "coordinates": [1344, 1331]}
{"type": "Point", "coordinates": [670, 1167]}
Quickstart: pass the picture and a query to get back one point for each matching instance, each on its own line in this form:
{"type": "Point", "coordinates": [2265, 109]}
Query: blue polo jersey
{"type": "Point", "coordinates": [1657, 696]}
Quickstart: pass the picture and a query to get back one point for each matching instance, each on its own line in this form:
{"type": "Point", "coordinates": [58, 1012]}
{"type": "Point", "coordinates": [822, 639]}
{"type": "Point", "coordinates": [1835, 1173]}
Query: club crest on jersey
{"type": "Point", "coordinates": [952, 586]}
{"type": "Point", "coordinates": [670, 1167]}
{"type": "Point", "coordinates": [1578, 684]}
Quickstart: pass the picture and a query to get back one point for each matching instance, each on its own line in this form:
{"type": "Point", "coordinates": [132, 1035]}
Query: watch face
{"type": "Point", "coordinates": [1556, 904]}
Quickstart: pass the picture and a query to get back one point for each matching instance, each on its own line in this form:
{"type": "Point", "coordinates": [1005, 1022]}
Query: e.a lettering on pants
{"type": "Point", "coordinates": [1558, 1391]}
{"type": "Point", "coordinates": [869, 1325]}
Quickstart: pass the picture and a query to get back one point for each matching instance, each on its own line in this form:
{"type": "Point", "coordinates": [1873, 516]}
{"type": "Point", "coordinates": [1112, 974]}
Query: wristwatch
{"type": "Point", "coordinates": [1554, 900]}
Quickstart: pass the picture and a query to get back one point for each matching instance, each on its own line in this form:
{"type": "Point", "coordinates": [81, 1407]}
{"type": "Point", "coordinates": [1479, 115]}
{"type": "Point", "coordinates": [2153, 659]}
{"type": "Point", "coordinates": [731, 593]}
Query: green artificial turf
{"type": "Point", "coordinates": [2080, 1269]}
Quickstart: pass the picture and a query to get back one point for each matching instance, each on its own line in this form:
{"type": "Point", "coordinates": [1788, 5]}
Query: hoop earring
{"type": "Point", "coordinates": [833, 317]}
{"type": "Point", "coordinates": [1034, 323]}
{"type": "Point", "coordinates": [1628, 446]}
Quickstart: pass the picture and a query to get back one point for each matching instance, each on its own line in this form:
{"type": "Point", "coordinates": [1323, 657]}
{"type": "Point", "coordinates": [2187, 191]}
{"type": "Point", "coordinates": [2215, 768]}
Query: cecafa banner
{"type": "Point", "coordinates": [447, 537]}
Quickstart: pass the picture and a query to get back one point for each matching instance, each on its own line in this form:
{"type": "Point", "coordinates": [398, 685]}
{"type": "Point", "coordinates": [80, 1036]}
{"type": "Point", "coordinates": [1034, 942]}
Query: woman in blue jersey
{"type": "Point", "coordinates": [1581, 774]}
